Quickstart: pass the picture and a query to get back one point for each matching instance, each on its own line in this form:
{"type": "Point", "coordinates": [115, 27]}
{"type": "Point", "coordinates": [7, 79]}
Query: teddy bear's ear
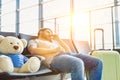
{"type": "Point", "coordinates": [24, 42]}
{"type": "Point", "coordinates": [1, 38]}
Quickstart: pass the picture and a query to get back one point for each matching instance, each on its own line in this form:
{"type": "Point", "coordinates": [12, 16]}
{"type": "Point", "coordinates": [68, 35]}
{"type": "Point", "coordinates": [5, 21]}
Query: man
{"type": "Point", "coordinates": [59, 56]}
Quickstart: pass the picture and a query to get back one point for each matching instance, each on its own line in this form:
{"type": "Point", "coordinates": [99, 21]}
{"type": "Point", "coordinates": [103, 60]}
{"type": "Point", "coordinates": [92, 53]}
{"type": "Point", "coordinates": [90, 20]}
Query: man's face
{"type": "Point", "coordinates": [47, 34]}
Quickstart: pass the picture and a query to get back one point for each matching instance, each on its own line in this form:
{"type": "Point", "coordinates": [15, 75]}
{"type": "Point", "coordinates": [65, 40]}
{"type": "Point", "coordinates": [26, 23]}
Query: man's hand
{"type": "Point", "coordinates": [59, 49]}
{"type": "Point", "coordinates": [55, 37]}
{"type": "Point", "coordinates": [64, 47]}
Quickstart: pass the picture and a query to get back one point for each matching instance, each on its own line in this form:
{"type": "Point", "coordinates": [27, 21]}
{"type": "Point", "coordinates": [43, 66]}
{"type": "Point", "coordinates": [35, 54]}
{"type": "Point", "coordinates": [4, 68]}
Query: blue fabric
{"type": "Point", "coordinates": [76, 64]}
{"type": "Point", "coordinates": [17, 59]}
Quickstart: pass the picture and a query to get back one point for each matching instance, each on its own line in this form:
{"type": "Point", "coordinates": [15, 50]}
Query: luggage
{"type": "Point", "coordinates": [110, 58]}
{"type": "Point", "coordinates": [111, 64]}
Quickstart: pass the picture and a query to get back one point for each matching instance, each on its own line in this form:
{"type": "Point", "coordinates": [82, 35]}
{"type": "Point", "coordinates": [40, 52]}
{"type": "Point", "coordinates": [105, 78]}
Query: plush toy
{"type": "Point", "coordinates": [11, 59]}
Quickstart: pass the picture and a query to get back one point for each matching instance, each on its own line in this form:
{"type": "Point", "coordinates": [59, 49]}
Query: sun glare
{"type": "Point", "coordinates": [80, 20]}
{"type": "Point", "coordinates": [80, 26]}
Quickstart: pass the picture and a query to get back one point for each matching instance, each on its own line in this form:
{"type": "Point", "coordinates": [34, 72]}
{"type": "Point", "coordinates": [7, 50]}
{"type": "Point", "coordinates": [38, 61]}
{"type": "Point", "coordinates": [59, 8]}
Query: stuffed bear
{"type": "Point", "coordinates": [11, 59]}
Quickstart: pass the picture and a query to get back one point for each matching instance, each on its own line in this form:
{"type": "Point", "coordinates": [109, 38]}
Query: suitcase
{"type": "Point", "coordinates": [110, 58]}
{"type": "Point", "coordinates": [111, 64]}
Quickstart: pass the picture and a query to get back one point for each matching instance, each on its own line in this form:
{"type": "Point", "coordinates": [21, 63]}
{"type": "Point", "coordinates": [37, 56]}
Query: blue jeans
{"type": "Point", "coordinates": [77, 64]}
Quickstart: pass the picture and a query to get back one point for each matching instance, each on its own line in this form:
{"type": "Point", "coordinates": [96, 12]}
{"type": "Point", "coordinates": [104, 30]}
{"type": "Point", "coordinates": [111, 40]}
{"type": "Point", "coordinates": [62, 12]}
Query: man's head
{"type": "Point", "coordinates": [45, 33]}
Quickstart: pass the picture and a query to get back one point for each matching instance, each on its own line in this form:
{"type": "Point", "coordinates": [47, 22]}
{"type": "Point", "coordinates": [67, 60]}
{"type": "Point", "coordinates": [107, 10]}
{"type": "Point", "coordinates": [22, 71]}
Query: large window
{"type": "Point", "coordinates": [91, 14]}
{"type": "Point", "coordinates": [29, 16]}
{"type": "Point", "coordinates": [8, 15]}
{"type": "Point", "coordinates": [102, 19]}
{"type": "Point", "coordinates": [117, 27]}
{"type": "Point", "coordinates": [55, 8]}
{"type": "Point", "coordinates": [86, 5]}
{"type": "Point", "coordinates": [56, 14]}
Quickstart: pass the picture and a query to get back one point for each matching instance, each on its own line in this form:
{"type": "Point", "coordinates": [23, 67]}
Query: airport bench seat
{"type": "Point", "coordinates": [76, 47]}
{"type": "Point", "coordinates": [43, 69]}
{"type": "Point", "coordinates": [12, 75]}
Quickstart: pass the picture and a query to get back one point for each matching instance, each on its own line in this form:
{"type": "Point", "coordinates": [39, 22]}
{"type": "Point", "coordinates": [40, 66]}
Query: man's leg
{"type": "Point", "coordinates": [93, 65]}
{"type": "Point", "coordinates": [67, 63]}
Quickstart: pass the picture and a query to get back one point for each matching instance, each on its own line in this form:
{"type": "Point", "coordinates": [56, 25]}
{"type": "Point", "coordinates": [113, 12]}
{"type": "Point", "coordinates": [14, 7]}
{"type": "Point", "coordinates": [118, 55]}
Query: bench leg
{"type": "Point", "coordinates": [62, 76]}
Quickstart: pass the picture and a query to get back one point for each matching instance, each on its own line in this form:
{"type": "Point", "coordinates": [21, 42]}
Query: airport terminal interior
{"type": "Point", "coordinates": [94, 21]}
{"type": "Point", "coordinates": [70, 17]}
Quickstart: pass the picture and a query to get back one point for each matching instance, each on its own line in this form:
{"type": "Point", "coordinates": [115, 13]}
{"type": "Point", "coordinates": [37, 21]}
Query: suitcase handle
{"type": "Point", "coordinates": [98, 29]}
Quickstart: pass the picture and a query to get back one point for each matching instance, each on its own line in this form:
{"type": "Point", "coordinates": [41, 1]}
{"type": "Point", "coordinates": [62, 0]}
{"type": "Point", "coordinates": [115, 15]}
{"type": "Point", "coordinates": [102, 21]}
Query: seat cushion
{"type": "Point", "coordinates": [27, 37]}
{"type": "Point", "coordinates": [8, 34]}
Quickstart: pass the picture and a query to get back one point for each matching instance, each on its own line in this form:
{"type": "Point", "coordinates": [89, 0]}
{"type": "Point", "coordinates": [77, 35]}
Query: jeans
{"type": "Point", "coordinates": [77, 64]}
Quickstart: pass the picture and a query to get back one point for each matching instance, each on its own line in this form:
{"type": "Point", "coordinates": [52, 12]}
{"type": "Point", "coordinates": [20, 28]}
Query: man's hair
{"type": "Point", "coordinates": [43, 29]}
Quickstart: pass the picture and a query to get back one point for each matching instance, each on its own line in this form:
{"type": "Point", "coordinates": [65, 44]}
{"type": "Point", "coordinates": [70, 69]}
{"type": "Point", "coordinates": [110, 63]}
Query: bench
{"type": "Point", "coordinates": [44, 71]}
{"type": "Point", "coordinates": [12, 75]}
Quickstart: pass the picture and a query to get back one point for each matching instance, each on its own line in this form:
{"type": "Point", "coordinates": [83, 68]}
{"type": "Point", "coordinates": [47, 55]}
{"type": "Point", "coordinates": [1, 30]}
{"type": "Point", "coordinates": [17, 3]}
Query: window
{"type": "Point", "coordinates": [8, 15]}
{"type": "Point", "coordinates": [29, 16]}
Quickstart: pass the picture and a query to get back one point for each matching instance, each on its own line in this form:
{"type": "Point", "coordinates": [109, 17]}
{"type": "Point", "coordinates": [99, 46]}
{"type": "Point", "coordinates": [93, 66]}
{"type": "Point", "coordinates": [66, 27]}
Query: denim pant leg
{"type": "Point", "coordinates": [67, 63]}
{"type": "Point", "coordinates": [93, 65]}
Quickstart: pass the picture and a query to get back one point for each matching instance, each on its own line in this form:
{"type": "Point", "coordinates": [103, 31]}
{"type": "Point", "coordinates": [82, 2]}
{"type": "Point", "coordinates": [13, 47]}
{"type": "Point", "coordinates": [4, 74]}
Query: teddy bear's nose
{"type": "Point", "coordinates": [15, 47]}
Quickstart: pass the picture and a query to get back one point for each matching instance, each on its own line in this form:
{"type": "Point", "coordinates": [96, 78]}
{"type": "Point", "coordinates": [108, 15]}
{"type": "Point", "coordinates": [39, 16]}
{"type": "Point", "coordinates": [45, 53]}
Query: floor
{"type": "Point", "coordinates": [69, 79]}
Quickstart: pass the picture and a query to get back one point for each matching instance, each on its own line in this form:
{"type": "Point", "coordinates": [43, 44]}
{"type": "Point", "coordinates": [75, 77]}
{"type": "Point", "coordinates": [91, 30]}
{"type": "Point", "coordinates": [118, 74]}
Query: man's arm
{"type": "Point", "coordinates": [43, 51]}
{"type": "Point", "coordinates": [62, 43]}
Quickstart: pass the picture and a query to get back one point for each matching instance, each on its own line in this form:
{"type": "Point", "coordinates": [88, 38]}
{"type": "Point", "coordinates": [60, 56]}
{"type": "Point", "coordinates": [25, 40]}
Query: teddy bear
{"type": "Point", "coordinates": [11, 59]}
